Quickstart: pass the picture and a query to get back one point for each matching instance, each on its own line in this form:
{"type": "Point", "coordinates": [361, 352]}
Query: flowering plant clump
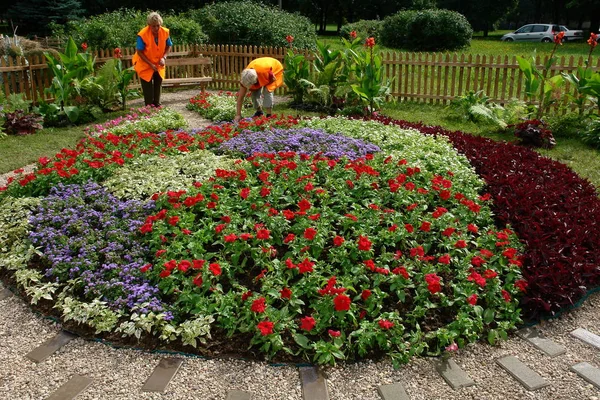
{"type": "Point", "coordinates": [90, 237]}
{"type": "Point", "coordinates": [298, 246]}
{"type": "Point", "coordinates": [134, 115]}
{"type": "Point", "coordinates": [303, 141]}
{"type": "Point", "coordinates": [214, 106]}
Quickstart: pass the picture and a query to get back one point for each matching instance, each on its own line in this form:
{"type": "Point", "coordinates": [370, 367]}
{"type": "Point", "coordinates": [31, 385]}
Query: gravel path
{"type": "Point", "coordinates": [119, 374]}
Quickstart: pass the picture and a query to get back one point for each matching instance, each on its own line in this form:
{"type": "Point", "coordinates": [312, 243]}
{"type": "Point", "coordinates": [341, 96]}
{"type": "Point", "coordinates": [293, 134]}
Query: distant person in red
{"type": "Point", "coordinates": [153, 46]}
{"type": "Point", "coordinates": [262, 76]}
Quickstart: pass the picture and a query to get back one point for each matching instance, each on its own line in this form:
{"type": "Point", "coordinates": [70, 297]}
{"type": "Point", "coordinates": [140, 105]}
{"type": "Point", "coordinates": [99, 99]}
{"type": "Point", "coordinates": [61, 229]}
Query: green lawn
{"type": "Point", "coordinates": [492, 45]}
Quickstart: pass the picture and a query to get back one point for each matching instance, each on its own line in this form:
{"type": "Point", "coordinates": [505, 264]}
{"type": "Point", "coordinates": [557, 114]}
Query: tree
{"type": "Point", "coordinates": [33, 16]}
{"type": "Point", "coordinates": [482, 14]}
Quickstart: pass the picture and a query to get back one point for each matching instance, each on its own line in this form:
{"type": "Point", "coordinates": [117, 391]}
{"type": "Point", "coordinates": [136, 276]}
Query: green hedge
{"type": "Point", "coordinates": [248, 23]}
{"type": "Point", "coordinates": [426, 30]}
{"type": "Point", "coordinates": [363, 28]}
{"type": "Point", "coordinates": [120, 28]}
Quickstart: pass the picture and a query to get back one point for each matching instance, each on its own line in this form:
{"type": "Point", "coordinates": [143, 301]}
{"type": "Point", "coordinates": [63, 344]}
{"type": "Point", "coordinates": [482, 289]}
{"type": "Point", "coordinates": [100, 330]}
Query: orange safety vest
{"type": "Point", "coordinates": [263, 66]}
{"type": "Point", "coordinates": [153, 51]}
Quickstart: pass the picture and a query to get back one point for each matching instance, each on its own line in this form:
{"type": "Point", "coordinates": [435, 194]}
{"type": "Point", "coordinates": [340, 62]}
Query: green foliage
{"type": "Point", "coordinates": [119, 29]}
{"type": "Point", "coordinates": [540, 89]}
{"type": "Point", "coordinates": [215, 106]}
{"type": "Point", "coordinates": [295, 73]}
{"type": "Point", "coordinates": [108, 88]}
{"type": "Point", "coordinates": [368, 78]}
{"type": "Point", "coordinates": [591, 135]}
{"type": "Point", "coordinates": [476, 107]}
{"type": "Point", "coordinates": [249, 23]}
{"type": "Point", "coordinates": [426, 30]}
{"type": "Point", "coordinates": [363, 28]}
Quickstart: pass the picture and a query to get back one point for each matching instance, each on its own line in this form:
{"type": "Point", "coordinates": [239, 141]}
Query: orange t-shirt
{"type": "Point", "coordinates": [263, 66]}
{"type": "Point", "coordinates": [153, 51]}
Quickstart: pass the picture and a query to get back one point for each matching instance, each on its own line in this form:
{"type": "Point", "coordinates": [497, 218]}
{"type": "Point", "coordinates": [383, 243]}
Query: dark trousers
{"type": "Point", "coordinates": [152, 90]}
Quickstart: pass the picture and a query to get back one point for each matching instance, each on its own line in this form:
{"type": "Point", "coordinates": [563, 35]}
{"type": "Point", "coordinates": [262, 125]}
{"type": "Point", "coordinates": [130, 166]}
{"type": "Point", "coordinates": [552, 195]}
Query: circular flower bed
{"type": "Point", "coordinates": [388, 246]}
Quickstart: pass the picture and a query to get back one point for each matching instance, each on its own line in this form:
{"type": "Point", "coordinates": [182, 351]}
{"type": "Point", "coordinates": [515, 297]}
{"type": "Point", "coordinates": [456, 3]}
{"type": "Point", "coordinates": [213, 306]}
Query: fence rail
{"type": "Point", "coordinates": [424, 77]}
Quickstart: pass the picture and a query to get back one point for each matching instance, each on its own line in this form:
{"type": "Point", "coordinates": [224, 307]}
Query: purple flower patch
{"type": "Point", "coordinates": [302, 141]}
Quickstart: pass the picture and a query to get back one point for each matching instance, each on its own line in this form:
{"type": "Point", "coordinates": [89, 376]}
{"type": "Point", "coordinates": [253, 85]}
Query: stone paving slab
{"type": "Point", "coordinates": [540, 342]}
{"type": "Point", "coordinates": [314, 386]}
{"type": "Point", "coordinates": [5, 293]}
{"type": "Point", "coordinates": [72, 388]}
{"type": "Point", "coordinates": [50, 346]}
{"type": "Point", "coordinates": [238, 395]}
{"type": "Point", "coordinates": [162, 375]}
{"type": "Point", "coordinates": [521, 372]}
{"type": "Point", "coordinates": [395, 391]}
{"type": "Point", "coordinates": [588, 372]}
{"type": "Point", "coordinates": [453, 374]}
{"type": "Point", "coordinates": [588, 337]}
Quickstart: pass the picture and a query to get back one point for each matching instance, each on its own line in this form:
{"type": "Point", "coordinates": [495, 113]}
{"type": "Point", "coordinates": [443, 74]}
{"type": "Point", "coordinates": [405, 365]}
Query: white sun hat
{"type": "Point", "coordinates": [248, 77]}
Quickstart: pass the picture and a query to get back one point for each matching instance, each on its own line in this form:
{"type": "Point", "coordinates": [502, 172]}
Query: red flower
{"type": "Point", "coordinates": [333, 333]}
{"type": "Point", "coordinates": [490, 274]}
{"type": "Point", "coordinates": [184, 265]}
{"type": "Point", "coordinates": [353, 35]}
{"type": "Point", "coordinates": [265, 191]}
{"type": "Point", "coordinates": [559, 37]}
{"type": "Point", "coordinates": [593, 40]}
{"type": "Point", "coordinates": [84, 46]}
{"type": "Point", "coordinates": [258, 305]}
{"type": "Point", "coordinates": [461, 244]}
{"type": "Point", "coordinates": [230, 238]}
{"type": "Point", "coordinates": [215, 269]}
{"type": "Point", "coordinates": [307, 323]}
{"type": "Point", "coordinates": [310, 233]}
{"type": "Point", "coordinates": [173, 220]}
{"type": "Point", "coordinates": [409, 228]}
{"type": "Point", "coordinates": [246, 295]}
{"type": "Point", "coordinates": [164, 273]}
{"type": "Point", "coordinates": [198, 264]}
{"type": "Point", "coordinates": [472, 299]}
{"type": "Point", "coordinates": [305, 266]}
{"type": "Point", "coordinates": [385, 324]}
{"type": "Point", "coordinates": [304, 205]}
{"type": "Point", "coordinates": [341, 302]}
{"type": "Point", "coordinates": [289, 39]}
{"type": "Point", "coordinates": [365, 294]}
{"type": "Point", "coordinates": [521, 284]}
{"type": "Point", "coordinates": [117, 53]}
{"type": "Point", "coordinates": [478, 279]}
{"type": "Point", "coordinates": [433, 283]}
{"type": "Point", "coordinates": [472, 228]}
{"type": "Point", "coordinates": [263, 234]}
{"type": "Point", "coordinates": [400, 271]}
{"type": "Point", "coordinates": [445, 259]}
{"type": "Point", "coordinates": [417, 251]}
{"type": "Point", "coordinates": [265, 327]}
{"type": "Point", "coordinates": [338, 241]}
{"type": "Point", "coordinates": [370, 42]}
{"type": "Point", "coordinates": [198, 280]}
{"type": "Point", "coordinates": [145, 268]}
{"type": "Point", "coordinates": [286, 293]}
{"type": "Point", "coordinates": [505, 294]}
{"type": "Point", "coordinates": [477, 261]}
{"type": "Point", "coordinates": [364, 243]}
{"type": "Point", "coordinates": [289, 238]}
{"type": "Point", "coordinates": [244, 193]}
{"type": "Point", "coordinates": [425, 226]}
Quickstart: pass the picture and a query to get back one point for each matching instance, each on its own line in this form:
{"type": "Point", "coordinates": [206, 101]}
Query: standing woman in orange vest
{"type": "Point", "coordinates": [262, 76]}
{"type": "Point", "coordinates": [153, 46]}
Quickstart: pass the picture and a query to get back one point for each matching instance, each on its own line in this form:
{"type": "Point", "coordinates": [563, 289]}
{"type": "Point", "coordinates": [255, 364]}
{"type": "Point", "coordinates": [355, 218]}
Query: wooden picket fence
{"type": "Point", "coordinates": [424, 77]}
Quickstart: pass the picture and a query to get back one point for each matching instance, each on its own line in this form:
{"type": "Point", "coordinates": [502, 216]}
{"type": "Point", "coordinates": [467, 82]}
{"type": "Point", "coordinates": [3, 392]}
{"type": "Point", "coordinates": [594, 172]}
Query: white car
{"type": "Point", "coordinates": [541, 33]}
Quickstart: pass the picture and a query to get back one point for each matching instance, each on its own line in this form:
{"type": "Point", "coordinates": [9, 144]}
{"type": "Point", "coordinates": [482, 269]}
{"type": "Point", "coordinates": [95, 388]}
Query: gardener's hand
{"type": "Point", "coordinates": [237, 118]}
{"type": "Point", "coordinates": [162, 62]}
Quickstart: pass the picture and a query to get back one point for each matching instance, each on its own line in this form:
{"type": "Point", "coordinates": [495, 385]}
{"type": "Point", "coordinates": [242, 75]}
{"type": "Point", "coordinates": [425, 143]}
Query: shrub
{"type": "Point", "coordinates": [248, 23]}
{"type": "Point", "coordinates": [119, 29]}
{"type": "Point", "coordinates": [427, 30]}
{"type": "Point", "coordinates": [534, 133]}
{"type": "Point", "coordinates": [363, 28]}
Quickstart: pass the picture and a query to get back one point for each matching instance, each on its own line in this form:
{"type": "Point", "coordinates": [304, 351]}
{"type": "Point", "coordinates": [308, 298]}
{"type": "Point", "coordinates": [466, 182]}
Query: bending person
{"type": "Point", "coordinates": [262, 76]}
{"type": "Point", "coordinates": [153, 46]}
